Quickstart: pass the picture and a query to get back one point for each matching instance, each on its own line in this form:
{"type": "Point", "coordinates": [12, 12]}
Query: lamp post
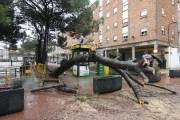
{"type": "Point", "coordinates": [170, 42]}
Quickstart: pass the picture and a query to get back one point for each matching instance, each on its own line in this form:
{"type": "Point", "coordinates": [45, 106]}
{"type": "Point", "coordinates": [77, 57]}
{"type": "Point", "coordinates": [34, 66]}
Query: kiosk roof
{"type": "Point", "coordinates": [81, 46]}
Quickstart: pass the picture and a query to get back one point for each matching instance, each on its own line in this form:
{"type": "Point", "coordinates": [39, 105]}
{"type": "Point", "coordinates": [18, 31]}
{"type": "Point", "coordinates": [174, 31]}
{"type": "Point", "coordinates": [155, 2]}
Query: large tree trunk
{"type": "Point", "coordinates": [54, 86]}
{"type": "Point", "coordinates": [68, 90]}
{"type": "Point", "coordinates": [41, 83]}
{"type": "Point", "coordinates": [39, 59]}
{"type": "Point", "coordinates": [119, 66]}
{"type": "Point", "coordinates": [113, 63]}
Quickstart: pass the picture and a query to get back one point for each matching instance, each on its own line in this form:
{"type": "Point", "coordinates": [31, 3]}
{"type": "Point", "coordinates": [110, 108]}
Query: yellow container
{"type": "Point", "coordinates": [106, 70]}
{"type": "Point", "coordinates": [32, 62]}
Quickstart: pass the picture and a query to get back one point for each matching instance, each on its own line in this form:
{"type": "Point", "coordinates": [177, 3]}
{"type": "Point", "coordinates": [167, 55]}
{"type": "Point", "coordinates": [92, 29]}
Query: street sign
{"type": "Point", "coordinates": [155, 51]}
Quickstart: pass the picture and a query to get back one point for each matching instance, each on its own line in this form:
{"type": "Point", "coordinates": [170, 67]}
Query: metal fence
{"type": "Point", "coordinates": [18, 72]}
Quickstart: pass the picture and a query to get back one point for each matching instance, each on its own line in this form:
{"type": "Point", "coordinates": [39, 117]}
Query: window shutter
{"type": "Point", "coordinates": [125, 30]}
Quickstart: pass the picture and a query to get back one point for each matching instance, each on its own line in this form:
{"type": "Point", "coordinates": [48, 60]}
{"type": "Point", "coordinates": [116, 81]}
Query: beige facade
{"type": "Point", "coordinates": [136, 27]}
{"type": "Point", "coordinates": [4, 54]}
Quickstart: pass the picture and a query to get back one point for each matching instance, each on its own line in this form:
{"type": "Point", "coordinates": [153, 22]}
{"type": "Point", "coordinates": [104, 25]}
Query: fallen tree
{"type": "Point", "coordinates": [119, 66]}
{"type": "Point", "coordinates": [54, 86]}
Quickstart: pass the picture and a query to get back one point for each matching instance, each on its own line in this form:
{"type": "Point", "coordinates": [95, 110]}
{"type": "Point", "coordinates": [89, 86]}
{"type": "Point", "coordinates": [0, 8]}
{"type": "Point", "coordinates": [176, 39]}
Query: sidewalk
{"type": "Point", "coordinates": [164, 71]}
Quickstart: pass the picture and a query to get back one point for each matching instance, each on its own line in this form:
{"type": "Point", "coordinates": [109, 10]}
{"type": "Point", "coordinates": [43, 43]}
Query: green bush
{"type": "Point", "coordinates": [17, 84]}
{"type": "Point", "coordinates": [107, 76]}
{"type": "Point", "coordinates": [113, 72]}
{"type": "Point", "coordinates": [114, 53]}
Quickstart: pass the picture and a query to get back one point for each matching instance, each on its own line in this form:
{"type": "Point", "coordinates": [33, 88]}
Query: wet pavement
{"type": "Point", "coordinates": [52, 104]}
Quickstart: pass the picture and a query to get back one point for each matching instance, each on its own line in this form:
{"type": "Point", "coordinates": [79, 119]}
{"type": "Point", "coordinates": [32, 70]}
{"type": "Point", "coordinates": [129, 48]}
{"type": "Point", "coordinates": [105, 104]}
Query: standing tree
{"type": "Point", "coordinates": [21, 50]}
{"type": "Point", "coordinates": [10, 23]}
{"type": "Point", "coordinates": [4, 20]}
{"type": "Point", "coordinates": [72, 16]}
{"type": "Point", "coordinates": [28, 47]}
{"type": "Point", "coordinates": [114, 53]}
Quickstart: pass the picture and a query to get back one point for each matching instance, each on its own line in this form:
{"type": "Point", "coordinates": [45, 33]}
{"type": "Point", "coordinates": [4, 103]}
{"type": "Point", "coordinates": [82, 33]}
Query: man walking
{"type": "Point", "coordinates": [63, 62]}
{"type": "Point", "coordinates": [164, 63]}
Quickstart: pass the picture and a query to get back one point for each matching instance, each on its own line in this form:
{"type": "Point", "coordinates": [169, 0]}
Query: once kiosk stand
{"type": "Point", "coordinates": [81, 69]}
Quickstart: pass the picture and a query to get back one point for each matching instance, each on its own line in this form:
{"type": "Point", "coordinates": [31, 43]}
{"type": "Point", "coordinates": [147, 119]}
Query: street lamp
{"type": "Point", "coordinates": [170, 42]}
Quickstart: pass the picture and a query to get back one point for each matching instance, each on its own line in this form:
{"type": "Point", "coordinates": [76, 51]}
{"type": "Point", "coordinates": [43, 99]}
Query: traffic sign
{"type": "Point", "coordinates": [155, 51]}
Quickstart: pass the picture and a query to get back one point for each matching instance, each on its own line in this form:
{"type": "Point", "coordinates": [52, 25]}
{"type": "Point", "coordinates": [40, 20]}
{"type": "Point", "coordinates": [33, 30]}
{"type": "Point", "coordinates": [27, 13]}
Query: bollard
{"type": "Point", "coordinates": [6, 79]}
{"type": "Point", "coordinates": [44, 69]}
{"type": "Point", "coordinates": [15, 72]}
{"type": "Point", "coordinates": [11, 62]}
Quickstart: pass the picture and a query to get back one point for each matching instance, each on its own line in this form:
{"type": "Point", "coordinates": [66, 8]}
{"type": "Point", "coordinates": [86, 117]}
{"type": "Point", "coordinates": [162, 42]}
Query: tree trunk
{"type": "Point", "coordinates": [119, 66]}
{"type": "Point", "coordinates": [44, 51]}
{"type": "Point", "coordinates": [39, 59]}
{"type": "Point", "coordinates": [41, 83]}
{"type": "Point", "coordinates": [54, 86]}
{"type": "Point", "coordinates": [68, 90]}
{"type": "Point", "coordinates": [105, 61]}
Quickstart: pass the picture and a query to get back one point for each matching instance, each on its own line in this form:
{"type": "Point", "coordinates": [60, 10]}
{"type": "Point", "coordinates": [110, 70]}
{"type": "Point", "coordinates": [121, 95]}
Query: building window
{"type": "Point", "coordinates": [101, 21]}
{"type": "Point", "coordinates": [100, 42]}
{"type": "Point", "coordinates": [125, 37]}
{"type": "Point", "coordinates": [125, 33]}
{"type": "Point", "coordinates": [125, 5]}
{"type": "Point", "coordinates": [108, 14]}
{"type": "Point", "coordinates": [124, 1]}
{"type": "Point", "coordinates": [100, 26]}
{"type": "Point", "coordinates": [172, 2]}
{"type": "Point", "coordinates": [107, 2]}
{"type": "Point", "coordinates": [100, 13]}
{"type": "Point", "coordinates": [115, 38]}
{"type": "Point", "coordinates": [125, 20]}
{"type": "Point", "coordinates": [107, 40]}
{"type": "Point", "coordinates": [163, 12]}
{"type": "Point", "coordinates": [173, 18]}
{"type": "Point", "coordinates": [143, 31]}
{"type": "Point", "coordinates": [93, 33]}
{"type": "Point", "coordinates": [107, 27]}
{"type": "Point", "coordinates": [101, 8]}
{"type": "Point", "coordinates": [163, 32]}
{"type": "Point", "coordinates": [125, 16]}
{"type": "Point", "coordinates": [173, 36]}
{"type": "Point", "coordinates": [143, 13]}
{"type": "Point", "coordinates": [100, 32]}
{"type": "Point", "coordinates": [115, 10]}
{"type": "Point", "coordinates": [115, 25]}
{"type": "Point", "coordinates": [93, 12]}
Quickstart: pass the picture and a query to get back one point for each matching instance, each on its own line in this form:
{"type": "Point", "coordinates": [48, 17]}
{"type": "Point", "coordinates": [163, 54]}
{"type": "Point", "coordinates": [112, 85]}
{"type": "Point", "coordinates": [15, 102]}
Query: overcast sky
{"type": "Point", "coordinates": [1, 44]}
{"type": "Point", "coordinates": [92, 1]}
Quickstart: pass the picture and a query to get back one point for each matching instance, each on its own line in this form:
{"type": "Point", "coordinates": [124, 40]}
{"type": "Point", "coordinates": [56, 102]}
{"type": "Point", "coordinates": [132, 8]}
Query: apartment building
{"type": "Point", "coordinates": [4, 54]}
{"type": "Point", "coordinates": [136, 27]}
